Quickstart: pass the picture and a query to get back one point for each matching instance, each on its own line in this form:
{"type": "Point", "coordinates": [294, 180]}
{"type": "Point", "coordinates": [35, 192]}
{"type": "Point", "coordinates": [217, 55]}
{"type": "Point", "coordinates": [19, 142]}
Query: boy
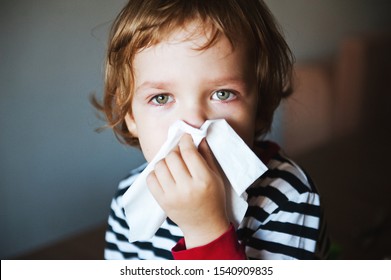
{"type": "Point", "coordinates": [196, 61]}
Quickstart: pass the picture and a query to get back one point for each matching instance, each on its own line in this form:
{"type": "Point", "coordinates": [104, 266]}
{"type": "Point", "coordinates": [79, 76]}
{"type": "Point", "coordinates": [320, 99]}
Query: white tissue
{"type": "Point", "coordinates": [240, 165]}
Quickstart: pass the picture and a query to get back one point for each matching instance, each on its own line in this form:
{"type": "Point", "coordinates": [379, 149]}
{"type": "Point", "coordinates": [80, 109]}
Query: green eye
{"type": "Point", "coordinates": [222, 95]}
{"type": "Point", "coordinates": [161, 99]}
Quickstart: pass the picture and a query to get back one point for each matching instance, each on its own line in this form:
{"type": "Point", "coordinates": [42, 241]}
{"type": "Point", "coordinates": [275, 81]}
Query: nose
{"type": "Point", "coordinates": [194, 114]}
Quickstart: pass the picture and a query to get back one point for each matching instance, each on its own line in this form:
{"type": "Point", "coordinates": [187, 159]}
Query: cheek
{"type": "Point", "coordinates": [244, 124]}
{"type": "Point", "coordinates": [246, 131]}
{"type": "Point", "coordinates": [151, 140]}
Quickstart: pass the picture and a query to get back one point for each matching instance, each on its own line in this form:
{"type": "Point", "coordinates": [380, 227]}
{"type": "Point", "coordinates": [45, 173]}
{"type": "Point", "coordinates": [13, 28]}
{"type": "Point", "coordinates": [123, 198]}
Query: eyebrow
{"type": "Point", "coordinates": [227, 80]}
{"type": "Point", "coordinates": [220, 81]}
{"type": "Point", "coordinates": [153, 84]}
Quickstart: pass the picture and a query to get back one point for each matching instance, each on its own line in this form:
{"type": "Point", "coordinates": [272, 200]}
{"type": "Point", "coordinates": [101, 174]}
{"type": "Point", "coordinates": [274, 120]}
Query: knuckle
{"type": "Point", "coordinates": [160, 165]}
{"type": "Point", "coordinates": [151, 178]}
{"type": "Point", "coordinates": [172, 157]}
{"type": "Point", "coordinates": [188, 153]}
{"type": "Point", "coordinates": [203, 182]}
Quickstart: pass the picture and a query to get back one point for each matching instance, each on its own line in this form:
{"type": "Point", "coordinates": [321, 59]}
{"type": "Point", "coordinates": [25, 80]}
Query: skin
{"type": "Point", "coordinates": [174, 80]}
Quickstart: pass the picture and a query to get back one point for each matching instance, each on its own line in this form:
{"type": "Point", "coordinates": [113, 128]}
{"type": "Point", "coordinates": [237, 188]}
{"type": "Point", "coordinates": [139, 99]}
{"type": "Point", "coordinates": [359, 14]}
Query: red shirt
{"type": "Point", "coordinates": [225, 247]}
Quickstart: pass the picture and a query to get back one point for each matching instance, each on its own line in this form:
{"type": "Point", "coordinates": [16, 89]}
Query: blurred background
{"type": "Point", "coordinates": [57, 175]}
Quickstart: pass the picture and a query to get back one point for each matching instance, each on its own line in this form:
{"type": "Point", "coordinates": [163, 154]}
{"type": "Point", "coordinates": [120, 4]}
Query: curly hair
{"type": "Point", "coordinates": [144, 23]}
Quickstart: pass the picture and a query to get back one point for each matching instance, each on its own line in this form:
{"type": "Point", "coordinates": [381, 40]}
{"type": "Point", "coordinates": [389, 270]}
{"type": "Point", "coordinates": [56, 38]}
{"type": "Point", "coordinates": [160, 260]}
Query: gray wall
{"type": "Point", "coordinates": [314, 28]}
{"type": "Point", "coordinates": [57, 175]}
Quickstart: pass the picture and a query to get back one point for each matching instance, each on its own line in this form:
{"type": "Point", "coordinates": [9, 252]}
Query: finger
{"type": "Point", "coordinates": [210, 159]}
{"type": "Point", "coordinates": [177, 166]}
{"type": "Point", "coordinates": [195, 163]}
{"type": "Point", "coordinates": [154, 186]}
{"type": "Point", "coordinates": [207, 154]}
{"type": "Point", "coordinates": [163, 175]}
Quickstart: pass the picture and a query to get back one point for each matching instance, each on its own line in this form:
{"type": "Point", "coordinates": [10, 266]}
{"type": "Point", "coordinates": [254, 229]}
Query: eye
{"type": "Point", "coordinates": [223, 95]}
{"type": "Point", "coordinates": [161, 99]}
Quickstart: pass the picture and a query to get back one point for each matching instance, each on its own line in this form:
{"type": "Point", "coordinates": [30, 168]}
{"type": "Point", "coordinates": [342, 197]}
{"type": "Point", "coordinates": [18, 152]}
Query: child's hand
{"type": "Point", "coordinates": [189, 188]}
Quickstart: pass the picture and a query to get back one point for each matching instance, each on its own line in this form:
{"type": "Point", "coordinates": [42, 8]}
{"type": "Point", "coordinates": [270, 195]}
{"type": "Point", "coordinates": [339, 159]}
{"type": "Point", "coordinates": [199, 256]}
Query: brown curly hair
{"type": "Point", "coordinates": [143, 23]}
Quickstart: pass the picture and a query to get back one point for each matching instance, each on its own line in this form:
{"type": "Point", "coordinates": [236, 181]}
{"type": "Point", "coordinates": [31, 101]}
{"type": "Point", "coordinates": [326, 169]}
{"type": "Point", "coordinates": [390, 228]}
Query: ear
{"type": "Point", "coordinates": [131, 125]}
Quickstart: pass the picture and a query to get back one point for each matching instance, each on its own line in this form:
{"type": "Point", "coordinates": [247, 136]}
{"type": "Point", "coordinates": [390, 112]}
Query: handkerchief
{"type": "Point", "coordinates": [238, 162]}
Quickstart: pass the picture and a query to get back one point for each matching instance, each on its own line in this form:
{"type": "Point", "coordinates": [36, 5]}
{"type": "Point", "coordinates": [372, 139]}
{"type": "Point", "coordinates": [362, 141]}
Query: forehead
{"type": "Point", "coordinates": [179, 62]}
{"type": "Point", "coordinates": [201, 33]}
{"type": "Point", "coordinates": [193, 45]}
{"type": "Point", "coordinates": [199, 36]}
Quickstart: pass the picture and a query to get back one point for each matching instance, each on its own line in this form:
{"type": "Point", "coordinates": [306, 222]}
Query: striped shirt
{"type": "Point", "coordinates": [284, 218]}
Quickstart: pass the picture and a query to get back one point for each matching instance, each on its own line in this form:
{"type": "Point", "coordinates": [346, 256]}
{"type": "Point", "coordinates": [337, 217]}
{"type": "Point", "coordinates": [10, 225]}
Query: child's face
{"type": "Point", "coordinates": [175, 81]}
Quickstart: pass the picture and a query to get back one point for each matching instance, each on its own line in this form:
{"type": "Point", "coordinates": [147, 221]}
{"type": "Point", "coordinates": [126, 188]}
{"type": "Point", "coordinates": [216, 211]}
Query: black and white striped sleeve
{"type": "Point", "coordinates": [117, 244]}
{"type": "Point", "coordinates": [283, 220]}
